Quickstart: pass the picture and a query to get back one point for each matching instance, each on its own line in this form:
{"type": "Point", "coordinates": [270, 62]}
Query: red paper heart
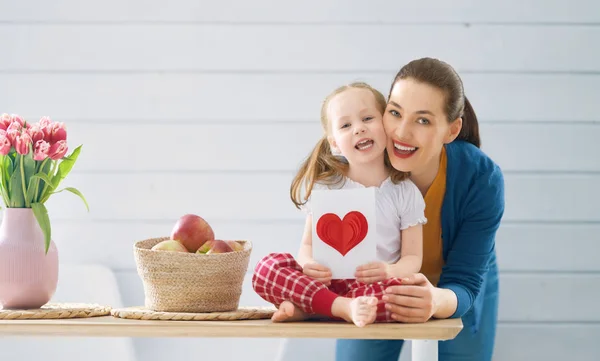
{"type": "Point", "coordinates": [342, 235]}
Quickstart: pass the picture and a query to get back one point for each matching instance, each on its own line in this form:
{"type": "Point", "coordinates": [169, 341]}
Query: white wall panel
{"type": "Point", "coordinates": [296, 47]}
{"type": "Point", "coordinates": [273, 11]}
{"type": "Point", "coordinates": [548, 342]}
{"type": "Point", "coordinates": [523, 147]}
{"type": "Point", "coordinates": [261, 196]}
{"type": "Point", "coordinates": [251, 98]}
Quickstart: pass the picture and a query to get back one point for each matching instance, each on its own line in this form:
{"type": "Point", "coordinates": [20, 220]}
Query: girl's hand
{"type": "Point", "coordinates": [317, 272]}
{"type": "Point", "coordinates": [413, 301]}
{"type": "Point", "coordinates": [372, 272]}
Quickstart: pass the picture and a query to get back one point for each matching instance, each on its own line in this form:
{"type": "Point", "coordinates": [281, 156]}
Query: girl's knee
{"type": "Point", "coordinates": [274, 261]}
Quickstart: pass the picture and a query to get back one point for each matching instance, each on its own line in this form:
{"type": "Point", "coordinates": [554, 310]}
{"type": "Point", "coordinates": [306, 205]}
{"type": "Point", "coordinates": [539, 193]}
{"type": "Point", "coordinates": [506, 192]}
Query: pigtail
{"type": "Point", "coordinates": [321, 166]}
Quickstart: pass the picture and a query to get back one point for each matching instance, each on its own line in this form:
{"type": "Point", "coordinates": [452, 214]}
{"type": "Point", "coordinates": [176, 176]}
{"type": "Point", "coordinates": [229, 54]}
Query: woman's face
{"type": "Point", "coordinates": [417, 126]}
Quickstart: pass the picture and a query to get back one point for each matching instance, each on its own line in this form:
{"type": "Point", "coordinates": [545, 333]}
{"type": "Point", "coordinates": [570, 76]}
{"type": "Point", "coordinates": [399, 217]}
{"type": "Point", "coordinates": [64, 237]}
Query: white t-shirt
{"type": "Point", "coordinates": [398, 206]}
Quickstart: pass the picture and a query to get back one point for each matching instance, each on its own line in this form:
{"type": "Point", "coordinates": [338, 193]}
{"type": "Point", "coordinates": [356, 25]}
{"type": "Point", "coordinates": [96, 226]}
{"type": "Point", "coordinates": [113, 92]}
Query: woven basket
{"type": "Point", "coordinates": [189, 282]}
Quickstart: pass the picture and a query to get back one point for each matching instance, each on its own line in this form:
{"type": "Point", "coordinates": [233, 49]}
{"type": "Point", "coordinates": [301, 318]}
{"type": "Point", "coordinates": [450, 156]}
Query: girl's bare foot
{"type": "Point", "coordinates": [288, 312]}
{"type": "Point", "coordinates": [361, 310]}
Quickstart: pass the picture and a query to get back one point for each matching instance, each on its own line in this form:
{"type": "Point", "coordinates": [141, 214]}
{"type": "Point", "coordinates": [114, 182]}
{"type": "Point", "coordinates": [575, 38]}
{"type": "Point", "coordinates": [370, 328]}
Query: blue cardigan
{"type": "Point", "coordinates": [472, 209]}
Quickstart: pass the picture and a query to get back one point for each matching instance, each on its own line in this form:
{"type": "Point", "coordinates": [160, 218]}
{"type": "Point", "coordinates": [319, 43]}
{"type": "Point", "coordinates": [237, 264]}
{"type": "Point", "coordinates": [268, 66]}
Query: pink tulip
{"type": "Point", "coordinates": [17, 118]}
{"type": "Point", "coordinates": [35, 132]}
{"type": "Point", "coordinates": [58, 132]}
{"type": "Point", "coordinates": [13, 131]}
{"type": "Point", "coordinates": [5, 144]}
{"type": "Point", "coordinates": [5, 121]}
{"type": "Point", "coordinates": [40, 150]}
{"type": "Point", "coordinates": [22, 143]}
{"type": "Point", "coordinates": [45, 125]}
{"type": "Point", "coordinates": [58, 150]}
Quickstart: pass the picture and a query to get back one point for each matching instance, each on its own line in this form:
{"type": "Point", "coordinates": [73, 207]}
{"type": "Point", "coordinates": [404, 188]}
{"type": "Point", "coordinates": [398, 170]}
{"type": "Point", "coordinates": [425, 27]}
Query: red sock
{"type": "Point", "coordinates": [322, 302]}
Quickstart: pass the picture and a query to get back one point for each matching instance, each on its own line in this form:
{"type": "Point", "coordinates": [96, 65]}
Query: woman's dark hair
{"type": "Point", "coordinates": [441, 75]}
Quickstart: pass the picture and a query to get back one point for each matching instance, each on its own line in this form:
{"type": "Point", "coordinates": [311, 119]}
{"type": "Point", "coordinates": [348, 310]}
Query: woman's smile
{"type": "Point", "coordinates": [403, 150]}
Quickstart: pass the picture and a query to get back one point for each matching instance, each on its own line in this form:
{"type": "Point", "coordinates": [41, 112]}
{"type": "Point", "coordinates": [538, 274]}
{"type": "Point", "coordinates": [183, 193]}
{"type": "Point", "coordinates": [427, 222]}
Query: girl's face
{"type": "Point", "coordinates": [356, 126]}
{"type": "Point", "coordinates": [417, 126]}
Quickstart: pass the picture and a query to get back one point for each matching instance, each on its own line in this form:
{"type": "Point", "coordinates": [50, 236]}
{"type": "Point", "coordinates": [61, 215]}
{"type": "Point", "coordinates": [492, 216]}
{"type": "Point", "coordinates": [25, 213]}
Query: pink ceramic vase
{"type": "Point", "coordinates": [28, 276]}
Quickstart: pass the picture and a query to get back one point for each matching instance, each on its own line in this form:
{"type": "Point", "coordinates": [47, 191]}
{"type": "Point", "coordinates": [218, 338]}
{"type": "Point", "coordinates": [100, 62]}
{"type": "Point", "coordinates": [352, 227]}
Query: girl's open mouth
{"type": "Point", "coordinates": [364, 144]}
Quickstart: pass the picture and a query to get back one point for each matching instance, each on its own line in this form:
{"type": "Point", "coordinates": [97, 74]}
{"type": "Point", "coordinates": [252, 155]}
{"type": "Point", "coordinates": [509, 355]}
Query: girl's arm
{"type": "Point", "coordinates": [305, 258]}
{"type": "Point", "coordinates": [305, 251]}
{"type": "Point", "coordinates": [411, 256]}
{"type": "Point", "coordinates": [409, 263]}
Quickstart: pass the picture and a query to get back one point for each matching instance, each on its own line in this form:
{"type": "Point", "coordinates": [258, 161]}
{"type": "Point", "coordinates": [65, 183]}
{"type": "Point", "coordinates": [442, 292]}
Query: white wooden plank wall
{"type": "Point", "coordinates": [209, 107]}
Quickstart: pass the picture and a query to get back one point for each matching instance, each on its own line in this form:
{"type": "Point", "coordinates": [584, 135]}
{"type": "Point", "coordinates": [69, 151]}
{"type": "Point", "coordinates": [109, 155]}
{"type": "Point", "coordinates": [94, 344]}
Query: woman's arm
{"type": "Point", "coordinates": [417, 300]}
{"type": "Point", "coordinates": [468, 260]}
{"type": "Point", "coordinates": [445, 303]}
{"type": "Point", "coordinates": [411, 256]}
{"type": "Point", "coordinates": [466, 265]}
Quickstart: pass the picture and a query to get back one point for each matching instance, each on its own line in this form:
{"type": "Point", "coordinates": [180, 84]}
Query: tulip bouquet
{"type": "Point", "coordinates": [33, 162]}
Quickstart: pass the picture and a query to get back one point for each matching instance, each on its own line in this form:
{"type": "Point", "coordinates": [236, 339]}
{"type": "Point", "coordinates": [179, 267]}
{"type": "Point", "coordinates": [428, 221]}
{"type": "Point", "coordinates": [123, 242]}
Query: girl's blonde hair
{"type": "Point", "coordinates": [322, 165]}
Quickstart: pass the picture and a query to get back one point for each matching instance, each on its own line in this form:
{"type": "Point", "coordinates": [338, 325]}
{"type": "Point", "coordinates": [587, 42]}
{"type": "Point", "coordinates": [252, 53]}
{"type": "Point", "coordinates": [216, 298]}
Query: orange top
{"type": "Point", "coordinates": [432, 231]}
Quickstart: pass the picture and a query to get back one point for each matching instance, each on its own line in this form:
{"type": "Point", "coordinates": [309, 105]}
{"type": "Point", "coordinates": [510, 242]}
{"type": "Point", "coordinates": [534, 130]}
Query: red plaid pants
{"type": "Point", "coordinates": [278, 277]}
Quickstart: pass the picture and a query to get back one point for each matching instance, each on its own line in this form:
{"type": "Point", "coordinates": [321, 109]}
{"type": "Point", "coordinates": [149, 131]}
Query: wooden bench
{"type": "Point", "coordinates": [424, 336]}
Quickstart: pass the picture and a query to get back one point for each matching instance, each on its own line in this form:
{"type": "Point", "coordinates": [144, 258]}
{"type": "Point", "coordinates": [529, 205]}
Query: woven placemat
{"type": "Point", "coordinates": [242, 313]}
{"type": "Point", "coordinates": [56, 310]}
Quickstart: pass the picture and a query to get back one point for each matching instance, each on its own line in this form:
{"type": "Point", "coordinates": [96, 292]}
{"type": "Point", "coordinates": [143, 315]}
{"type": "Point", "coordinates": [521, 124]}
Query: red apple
{"type": "Point", "coordinates": [192, 231]}
{"type": "Point", "coordinates": [215, 246]}
{"type": "Point", "coordinates": [219, 247]}
{"type": "Point", "coordinates": [169, 245]}
{"type": "Point", "coordinates": [235, 245]}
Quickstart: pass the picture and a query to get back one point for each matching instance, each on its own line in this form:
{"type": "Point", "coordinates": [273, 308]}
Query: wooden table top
{"type": "Point", "coordinates": [109, 326]}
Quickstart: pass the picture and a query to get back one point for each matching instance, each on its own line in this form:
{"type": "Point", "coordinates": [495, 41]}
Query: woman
{"type": "Point", "coordinates": [433, 134]}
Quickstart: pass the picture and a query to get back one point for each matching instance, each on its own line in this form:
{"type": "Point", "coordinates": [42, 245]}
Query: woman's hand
{"type": "Point", "coordinates": [317, 272]}
{"type": "Point", "coordinates": [413, 301]}
{"type": "Point", "coordinates": [372, 272]}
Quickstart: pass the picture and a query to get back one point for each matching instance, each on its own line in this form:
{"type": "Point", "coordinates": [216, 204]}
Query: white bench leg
{"type": "Point", "coordinates": [424, 350]}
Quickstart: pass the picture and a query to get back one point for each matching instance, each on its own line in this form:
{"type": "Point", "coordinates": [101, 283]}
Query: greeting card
{"type": "Point", "coordinates": [343, 229]}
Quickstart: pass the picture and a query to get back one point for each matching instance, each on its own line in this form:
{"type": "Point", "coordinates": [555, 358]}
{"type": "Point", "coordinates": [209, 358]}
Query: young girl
{"type": "Point", "coordinates": [352, 122]}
